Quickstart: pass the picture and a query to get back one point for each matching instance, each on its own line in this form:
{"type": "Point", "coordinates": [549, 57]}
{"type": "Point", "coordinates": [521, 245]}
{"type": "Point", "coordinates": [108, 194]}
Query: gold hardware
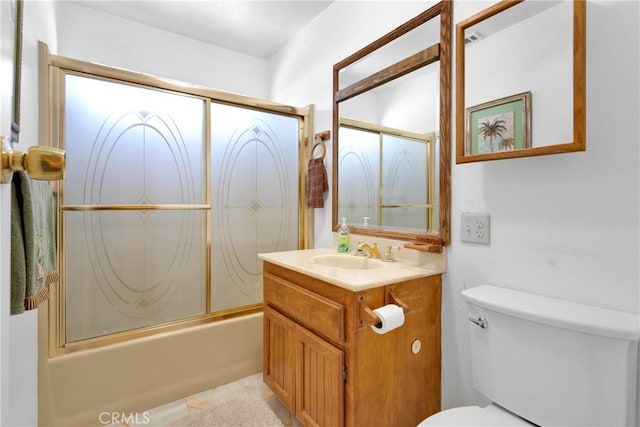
{"type": "Point", "coordinates": [43, 163]}
{"type": "Point", "coordinates": [372, 251]}
{"type": "Point", "coordinates": [388, 254]}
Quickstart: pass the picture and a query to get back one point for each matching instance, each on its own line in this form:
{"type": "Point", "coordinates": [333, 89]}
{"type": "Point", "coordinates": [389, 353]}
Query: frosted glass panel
{"type": "Point", "coordinates": [404, 172]}
{"type": "Point", "coordinates": [130, 269]}
{"type": "Point", "coordinates": [254, 163]}
{"type": "Point", "coordinates": [128, 266]}
{"type": "Point", "coordinates": [127, 269]}
{"type": "Point", "coordinates": [359, 175]}
{"type": "Point", "coordinates": [130, 145]}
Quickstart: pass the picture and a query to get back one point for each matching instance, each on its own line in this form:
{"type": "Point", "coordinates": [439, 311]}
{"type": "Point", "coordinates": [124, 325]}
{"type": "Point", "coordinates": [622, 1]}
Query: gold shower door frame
{"type": "Point", "coordinates": [52, 71]}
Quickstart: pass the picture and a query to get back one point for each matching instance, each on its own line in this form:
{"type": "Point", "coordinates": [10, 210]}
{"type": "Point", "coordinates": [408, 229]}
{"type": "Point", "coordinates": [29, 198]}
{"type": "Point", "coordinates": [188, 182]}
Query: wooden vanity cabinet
{"type": "Point", "coordinates": [303, 370]}
{"type": "Point", "coordinates": [330, 369]}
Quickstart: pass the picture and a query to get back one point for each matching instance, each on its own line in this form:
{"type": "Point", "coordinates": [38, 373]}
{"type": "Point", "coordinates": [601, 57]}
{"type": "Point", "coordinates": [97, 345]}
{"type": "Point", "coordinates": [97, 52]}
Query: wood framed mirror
{"type": "Point", "coordinates": [520, 80]}
{"type": "Point", "coordinates": [391, 128]}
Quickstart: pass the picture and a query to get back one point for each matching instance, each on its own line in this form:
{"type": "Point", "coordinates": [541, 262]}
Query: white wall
{"type": "Point", "coordinates": [546, 70]}
{"type": "Point", "coordinates": [5, 129]}
{"type": "Point", "coordinates": [95, 36]}
{"type": "Point", "coordinates": [19, 339]}
{"type": "Point", "coordinates": [562, 225]}
{"type": "Point", "coordinates": [301, 72]}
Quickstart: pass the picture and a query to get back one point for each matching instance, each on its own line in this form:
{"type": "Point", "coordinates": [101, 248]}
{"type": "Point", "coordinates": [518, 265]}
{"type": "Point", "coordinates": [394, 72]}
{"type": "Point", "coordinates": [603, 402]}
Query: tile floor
{"type": "Point", "coordinates": [251, 386]}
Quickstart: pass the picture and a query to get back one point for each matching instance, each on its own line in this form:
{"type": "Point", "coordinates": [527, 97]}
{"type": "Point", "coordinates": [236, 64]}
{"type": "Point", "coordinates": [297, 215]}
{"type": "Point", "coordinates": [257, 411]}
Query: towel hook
{"type": "Point", "coordinates": [43, 163]}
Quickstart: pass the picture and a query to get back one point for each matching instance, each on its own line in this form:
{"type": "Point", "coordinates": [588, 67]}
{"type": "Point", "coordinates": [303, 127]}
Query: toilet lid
{"type": "Point", "coordinates": [492, 415]}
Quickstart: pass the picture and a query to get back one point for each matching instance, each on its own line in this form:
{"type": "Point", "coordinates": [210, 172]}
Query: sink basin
{"type": "Point", "coordinates": [349, 262]}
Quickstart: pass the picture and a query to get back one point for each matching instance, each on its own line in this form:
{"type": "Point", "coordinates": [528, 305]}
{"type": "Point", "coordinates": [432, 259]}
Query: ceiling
{"type": "Point", "coordinates": [255, 27]}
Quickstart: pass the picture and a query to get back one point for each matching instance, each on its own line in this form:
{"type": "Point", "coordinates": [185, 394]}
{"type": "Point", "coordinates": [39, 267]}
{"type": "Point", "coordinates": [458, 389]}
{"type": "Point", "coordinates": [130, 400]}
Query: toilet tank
{"type": "Point", "coordinates": [552, 361]}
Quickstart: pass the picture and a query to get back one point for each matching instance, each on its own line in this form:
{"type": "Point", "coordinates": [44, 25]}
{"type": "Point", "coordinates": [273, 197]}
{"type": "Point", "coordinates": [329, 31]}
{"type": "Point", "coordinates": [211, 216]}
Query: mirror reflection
{"type": "Point", "coordinates": [387, 154]}
{"type": "Point", "coordinates": [387, 122]}
{"type": "Point", "coordinates": [516, 80]}
{"type": "Point", "coordinates": [385, 177]}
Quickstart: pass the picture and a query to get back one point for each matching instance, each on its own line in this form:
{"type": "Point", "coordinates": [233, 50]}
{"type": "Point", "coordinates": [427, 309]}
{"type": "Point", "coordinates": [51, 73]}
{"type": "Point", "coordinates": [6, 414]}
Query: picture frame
{"type": "Point", "coordinates": [500, 125]}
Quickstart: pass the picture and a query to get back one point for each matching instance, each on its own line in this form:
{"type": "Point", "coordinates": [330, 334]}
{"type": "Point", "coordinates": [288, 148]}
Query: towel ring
{"type": "Point", "coordinates": [320, 138]}
{"type": "Point", "coordinates": [319, 144]}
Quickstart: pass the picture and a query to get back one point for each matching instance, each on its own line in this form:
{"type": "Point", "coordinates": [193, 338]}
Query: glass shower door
{"type": "Point", "coordinates": [167, 201]}
{"type": "Point", "coordinates": [134, 207]}
{"type": "Point", "coordinates": [255, 198]}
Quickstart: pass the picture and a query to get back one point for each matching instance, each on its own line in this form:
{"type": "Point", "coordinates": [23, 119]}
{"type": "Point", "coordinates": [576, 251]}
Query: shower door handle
{"type": "Point", "coordinates": [480, 321]}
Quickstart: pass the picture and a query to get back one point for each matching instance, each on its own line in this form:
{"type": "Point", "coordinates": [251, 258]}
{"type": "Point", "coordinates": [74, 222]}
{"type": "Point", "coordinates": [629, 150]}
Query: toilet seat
{"type": "Point", "coordinates": [491, 415]}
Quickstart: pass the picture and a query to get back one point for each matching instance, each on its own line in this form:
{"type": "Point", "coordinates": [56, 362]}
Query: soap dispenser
{"type": "Point", "coordinates": [343, 237]}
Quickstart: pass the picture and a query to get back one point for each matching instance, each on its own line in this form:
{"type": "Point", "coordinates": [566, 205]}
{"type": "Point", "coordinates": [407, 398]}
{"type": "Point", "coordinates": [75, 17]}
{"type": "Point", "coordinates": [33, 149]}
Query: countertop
{"type": "Point", "coordinates": [355, 280]}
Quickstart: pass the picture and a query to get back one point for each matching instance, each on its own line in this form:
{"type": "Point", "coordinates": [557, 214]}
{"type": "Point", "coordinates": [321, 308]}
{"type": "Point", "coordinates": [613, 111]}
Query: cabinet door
{"type": "Point", "coordinates": [279, 356]}
{"type": "Point", "coordinates": [319, 381]}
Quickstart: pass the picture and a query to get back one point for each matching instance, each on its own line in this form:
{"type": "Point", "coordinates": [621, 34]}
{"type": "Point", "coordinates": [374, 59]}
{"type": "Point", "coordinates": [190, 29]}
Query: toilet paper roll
{"type": "Point", "coordinates": [391, 317]}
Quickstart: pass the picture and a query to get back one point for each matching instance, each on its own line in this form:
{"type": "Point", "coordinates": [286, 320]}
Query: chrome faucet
{"type": "Point", "coordinates": [364, 249]}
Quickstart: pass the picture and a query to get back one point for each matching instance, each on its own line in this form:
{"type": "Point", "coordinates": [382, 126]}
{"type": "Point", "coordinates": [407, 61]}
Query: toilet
{"type": "Point", "coordinates": [548, 362]}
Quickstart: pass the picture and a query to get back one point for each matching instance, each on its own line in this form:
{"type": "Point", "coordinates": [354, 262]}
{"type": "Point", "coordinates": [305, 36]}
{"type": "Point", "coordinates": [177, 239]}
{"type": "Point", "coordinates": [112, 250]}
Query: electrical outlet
{"type": "Point", "coordinates": [474, 228]}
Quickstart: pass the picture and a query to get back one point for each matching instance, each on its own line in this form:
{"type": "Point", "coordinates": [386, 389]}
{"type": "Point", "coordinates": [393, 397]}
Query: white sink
{"type": "Point", "coordinates": [349, 262]}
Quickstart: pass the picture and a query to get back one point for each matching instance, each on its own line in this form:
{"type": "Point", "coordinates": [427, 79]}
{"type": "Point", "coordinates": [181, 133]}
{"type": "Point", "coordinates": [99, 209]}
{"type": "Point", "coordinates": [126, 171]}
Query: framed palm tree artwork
{"type": "Point", "coordinates": [500, 125]}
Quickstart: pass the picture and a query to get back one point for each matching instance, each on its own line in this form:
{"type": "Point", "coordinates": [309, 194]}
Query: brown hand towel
{"type": "Point", "coordinates": [317, 183]}
{"type": "Point", "coordinates": [33, 248]}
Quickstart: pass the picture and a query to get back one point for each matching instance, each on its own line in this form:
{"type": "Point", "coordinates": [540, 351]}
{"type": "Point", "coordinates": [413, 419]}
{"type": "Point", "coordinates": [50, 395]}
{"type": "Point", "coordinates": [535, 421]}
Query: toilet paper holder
{"type": "Point", "coordinates": [368, 317]}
